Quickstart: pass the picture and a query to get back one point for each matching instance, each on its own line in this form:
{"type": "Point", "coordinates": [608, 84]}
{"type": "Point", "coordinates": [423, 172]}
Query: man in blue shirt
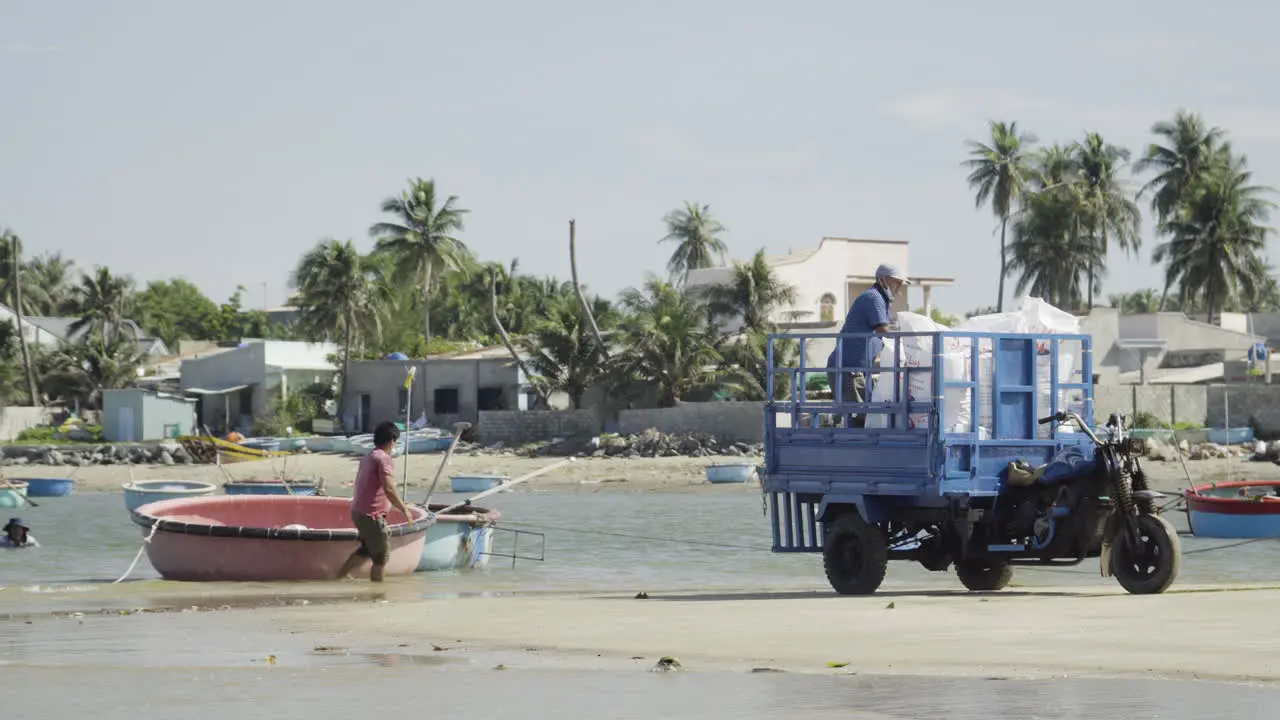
{"type": "Point", "coordinates": [868, 314]}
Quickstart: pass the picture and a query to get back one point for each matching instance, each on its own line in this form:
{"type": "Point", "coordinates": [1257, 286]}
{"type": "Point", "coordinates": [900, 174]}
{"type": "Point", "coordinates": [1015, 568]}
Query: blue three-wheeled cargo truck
{"type": "Point", "coordinates": [975, 454]}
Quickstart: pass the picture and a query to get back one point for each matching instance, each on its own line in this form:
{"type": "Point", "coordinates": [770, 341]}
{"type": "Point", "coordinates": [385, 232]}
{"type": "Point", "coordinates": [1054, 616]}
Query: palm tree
{"type": "Point", "coordinates": [81, 371]}
{"type": "Point", "coordinates": [998, 173]}
{"type": "Point", "coordinates": [668, 347]}
{"type": "Point", "coordinates": [1048, 253]}
{"type": "Point", "coordinates": [1214, 254]}
{"type": "Point", "coordinates": [697, 237]}
{"type": "Point", "coordinates": [50, 278]}
{"type": "Point", "coordinates": [1108, 213]}
{"type": "Point", "coordinates": [339, 295]}
{"type": "Point", "coordinates": [10, 242]}
{"type": "Point", "coordinates": [421, 240]}
{"type": "Point", "coordinates": [753, 293]}
{"type": "Point", "coordinates": [100, 303]}
{"type": "Point", "coordinates": [1190, 151]}
{"type": "Point", "coordinates": [563, 353]}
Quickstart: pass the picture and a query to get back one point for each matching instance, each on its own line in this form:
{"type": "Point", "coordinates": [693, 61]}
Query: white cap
{"type": "Point", "coordinates": [891, 271]}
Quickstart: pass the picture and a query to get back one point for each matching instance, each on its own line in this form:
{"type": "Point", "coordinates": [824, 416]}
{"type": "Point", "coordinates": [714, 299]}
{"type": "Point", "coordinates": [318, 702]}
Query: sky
{"type": "Point", "coordinates": [218, 141]}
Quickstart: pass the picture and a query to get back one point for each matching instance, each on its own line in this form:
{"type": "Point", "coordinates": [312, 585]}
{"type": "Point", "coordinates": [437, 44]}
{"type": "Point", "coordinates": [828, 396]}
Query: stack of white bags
{"type": "Point", "coordinates": [1033, 316]}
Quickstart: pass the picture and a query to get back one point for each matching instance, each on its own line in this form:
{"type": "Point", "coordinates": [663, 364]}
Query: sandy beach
{"type": "Point", "coordinates": [1188, 633]}
{"type": "Point", "coordinates": [584, 474]}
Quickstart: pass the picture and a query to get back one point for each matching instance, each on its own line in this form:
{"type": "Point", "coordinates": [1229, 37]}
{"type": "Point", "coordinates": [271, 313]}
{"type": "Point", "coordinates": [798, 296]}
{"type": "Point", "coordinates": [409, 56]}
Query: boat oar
{"type": "Point", "coordinates": [19, 493]}
{"type": "Point", "coordinates": [458, 428]}
{"type": "Point", "coordinates": [504, 486]}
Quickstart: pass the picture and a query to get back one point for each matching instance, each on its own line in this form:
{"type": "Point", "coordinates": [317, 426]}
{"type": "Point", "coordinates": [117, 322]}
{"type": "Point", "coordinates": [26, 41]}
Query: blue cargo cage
{"type": "Point", "coordinates": [818, 464]}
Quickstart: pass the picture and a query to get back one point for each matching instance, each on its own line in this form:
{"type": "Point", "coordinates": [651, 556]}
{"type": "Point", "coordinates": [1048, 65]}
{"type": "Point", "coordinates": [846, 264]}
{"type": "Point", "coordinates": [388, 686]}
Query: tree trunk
{"type": "Point", "coordinates": [426, 304]}
{"type": "Point", "coordinates": [1004, 264]}
{"type": "Point", "coordinates": [346, 368]}
{"type": "Point", "coordinates": [577, 288]}
{"type": "Point", "coordinates": [15, 258]}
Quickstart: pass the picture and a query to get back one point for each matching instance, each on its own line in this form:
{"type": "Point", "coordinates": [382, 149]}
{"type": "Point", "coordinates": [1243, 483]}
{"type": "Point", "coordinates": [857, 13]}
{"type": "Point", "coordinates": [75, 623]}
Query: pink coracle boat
{"type": "Point", "coordinates": [266, 538]}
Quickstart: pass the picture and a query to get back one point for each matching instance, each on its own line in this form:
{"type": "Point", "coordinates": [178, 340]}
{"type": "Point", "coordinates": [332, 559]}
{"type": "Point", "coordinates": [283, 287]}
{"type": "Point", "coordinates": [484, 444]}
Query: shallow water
{"type": "Point", "coordinates": [603, 541]}
{"type": "Point", "coordinates": [198, 665]}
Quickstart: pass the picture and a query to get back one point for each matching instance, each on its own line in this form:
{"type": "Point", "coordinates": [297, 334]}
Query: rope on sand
{"type": "Point", "coordinates": [138, 557]}
{"type": "Point", "coordinates": [708, 543]}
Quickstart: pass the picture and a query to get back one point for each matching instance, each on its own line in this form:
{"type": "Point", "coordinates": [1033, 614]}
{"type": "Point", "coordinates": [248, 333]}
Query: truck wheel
{"type": "Point", "coordinates": [1152, 567]}
{"type": "Point", "coordinates": [984, 575]}
{"type": "Point", "coordinates": [855, 555]}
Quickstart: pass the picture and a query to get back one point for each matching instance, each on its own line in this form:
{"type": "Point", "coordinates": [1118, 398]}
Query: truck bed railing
{"type": "Point", "coordinates": [944, 422]}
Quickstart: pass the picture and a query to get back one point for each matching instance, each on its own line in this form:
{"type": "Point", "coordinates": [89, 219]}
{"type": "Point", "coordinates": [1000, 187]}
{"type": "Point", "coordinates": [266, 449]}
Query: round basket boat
{"type": "Point", "coordinates": [1246, 509]}
{"type": "Point", "coordinates": [462, 539]}
{"type": "Point", "coordinates": [13, 494]}
{"type": "Point", "coordinates": [265, 538]}
{"type": "Point", "coordinates": [271, 487]}
{"type": "Point", "coordinates": [725, 473]}
{"type": "Point", "coordinates": [141, 492]}
{"type": "Point", "coordinates": [49, 487]}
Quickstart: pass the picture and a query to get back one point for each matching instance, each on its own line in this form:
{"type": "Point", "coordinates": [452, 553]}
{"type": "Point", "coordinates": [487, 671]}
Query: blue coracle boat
{"type": "Point", "coordinates": [141, 492]}
{"type": "Point", "coordinates": [49, 487]}
{"type": "Point", "coordinates": [270, 487]}
{"type": "Point", "coordinates": [475, 483]}
{"type": "Point", "coordinates": [724, 473]}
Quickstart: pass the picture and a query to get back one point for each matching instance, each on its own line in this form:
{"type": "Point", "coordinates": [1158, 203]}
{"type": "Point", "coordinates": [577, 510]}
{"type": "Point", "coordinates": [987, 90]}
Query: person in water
{"type": "Point", "coordinates": [373, 496]}
{"type": "Point", "coordinates": [17, 535]}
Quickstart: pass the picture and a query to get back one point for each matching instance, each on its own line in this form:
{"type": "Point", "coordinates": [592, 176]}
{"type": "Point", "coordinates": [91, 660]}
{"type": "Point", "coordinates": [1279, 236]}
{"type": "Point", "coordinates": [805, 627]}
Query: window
{"type": "Point", "coordinates": [489, 398]}
{"type": "Point", "coordinates": [828, 308]}
{"type": "Point", "coordinates": [446, 401]}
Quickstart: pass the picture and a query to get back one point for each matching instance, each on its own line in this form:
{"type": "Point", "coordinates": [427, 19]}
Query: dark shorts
{"type": "Point", "coordinates": [853, 389]}
{"type": "Point", "coordinates": [375, 540]}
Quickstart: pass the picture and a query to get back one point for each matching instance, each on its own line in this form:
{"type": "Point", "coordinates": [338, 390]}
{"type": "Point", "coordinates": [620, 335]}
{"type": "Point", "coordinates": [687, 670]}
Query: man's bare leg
{"type": "Point", "coordinates": [345, 571]}
{"type": "Point", "coordinates": [375, 573]}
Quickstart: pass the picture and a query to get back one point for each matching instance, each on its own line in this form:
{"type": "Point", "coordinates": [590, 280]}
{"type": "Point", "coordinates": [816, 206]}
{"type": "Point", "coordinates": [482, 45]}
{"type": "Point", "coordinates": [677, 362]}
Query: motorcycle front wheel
{"type": "Point", "coordinates": [1152, 566]}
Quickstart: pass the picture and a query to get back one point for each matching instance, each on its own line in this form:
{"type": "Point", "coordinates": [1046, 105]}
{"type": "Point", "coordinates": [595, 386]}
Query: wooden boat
{"type": "Point", "coordinates": [1246, 509]}
{"type": "Point", "coordinates": [459, 540]}
{"type": "Point", "coordinates": [475, 483]}
{"type": "Point", "coordinates": [722, 473]}
{"type": "Point", "coordinates": [265, 538]}
{"type": "Point", "coordinates": [12, 497]}
{"type": "Point", "coordinates": [141, 492]}
{"type": "Point", "coordinates": [274, 486]}
{"type": "Point", "coordinates": [207, 449]}
{"type": "Point", "coordinates": [49, 487]}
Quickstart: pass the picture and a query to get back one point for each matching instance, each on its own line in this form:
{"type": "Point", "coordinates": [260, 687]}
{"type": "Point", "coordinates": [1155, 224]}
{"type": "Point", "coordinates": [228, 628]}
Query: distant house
{"type": "Point", "coordinates": [58, 329]}
{"type": "Point", "coordinates": [827, 279]}
{"type": "Point", "coordinates": [447, 388]}
{"type": "Point", "coordinates": [234, 385]}
{"type": "Point", "coordinates": [31, 332]}
{"type": "Point", "coordinates": [1166, 347]}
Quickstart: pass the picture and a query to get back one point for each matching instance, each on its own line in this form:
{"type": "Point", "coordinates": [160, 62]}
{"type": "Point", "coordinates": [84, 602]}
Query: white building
{"type": "Point", "coordinates": [236, 384]}
{"type": "Point", "coordinates": [827, 279]}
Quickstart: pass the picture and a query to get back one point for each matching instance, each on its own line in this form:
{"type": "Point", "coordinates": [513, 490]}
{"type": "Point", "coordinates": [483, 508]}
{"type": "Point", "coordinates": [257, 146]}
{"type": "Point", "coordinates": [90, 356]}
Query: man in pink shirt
{"type": "Point", "coordinates": [373, 496]}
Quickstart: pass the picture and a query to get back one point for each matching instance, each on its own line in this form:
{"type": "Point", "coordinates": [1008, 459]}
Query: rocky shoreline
{"type": "Point", "coordinates": [648, 444]}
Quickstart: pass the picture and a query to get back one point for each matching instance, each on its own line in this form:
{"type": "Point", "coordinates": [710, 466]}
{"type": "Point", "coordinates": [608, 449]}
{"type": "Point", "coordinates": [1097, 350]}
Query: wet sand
{"type": "Point", "coordinates": [1225, 634]}
{"type": "Point", "coordinates": [585, 474]}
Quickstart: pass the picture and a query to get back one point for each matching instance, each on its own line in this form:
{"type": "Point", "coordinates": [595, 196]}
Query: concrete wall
{"type": "Point", "coordinates": [1169, 403]}
{"type": "Point", "coordinates": [729, 421]}
{"type": "Point", "coordinates": [516, 427]}
{"type": "Point", "coordinates": [166, 416]}
{"type": "Point", "coordinates": [14, 419]}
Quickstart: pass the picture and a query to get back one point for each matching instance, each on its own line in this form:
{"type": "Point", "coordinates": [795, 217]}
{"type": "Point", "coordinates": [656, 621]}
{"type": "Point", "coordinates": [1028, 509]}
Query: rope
{"type": "Point", "coordinates": [701, 543]}
{"type": "Point", "coordinates": [707, 543]}
{"type": "Point", "coordinates": [136, 558]}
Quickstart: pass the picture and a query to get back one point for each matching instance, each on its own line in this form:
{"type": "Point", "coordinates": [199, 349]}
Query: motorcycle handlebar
{"type": "Point", "coordinates": [1063, 416]}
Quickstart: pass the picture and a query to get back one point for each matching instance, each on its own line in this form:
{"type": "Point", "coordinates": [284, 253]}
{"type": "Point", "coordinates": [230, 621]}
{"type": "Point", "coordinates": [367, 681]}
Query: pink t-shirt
{"type": "Point", "coordinates": [370, 495]}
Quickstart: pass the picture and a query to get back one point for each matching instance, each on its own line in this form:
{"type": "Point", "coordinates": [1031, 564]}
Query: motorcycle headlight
{"type": "Point", "coordinates": [1136, 446]}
